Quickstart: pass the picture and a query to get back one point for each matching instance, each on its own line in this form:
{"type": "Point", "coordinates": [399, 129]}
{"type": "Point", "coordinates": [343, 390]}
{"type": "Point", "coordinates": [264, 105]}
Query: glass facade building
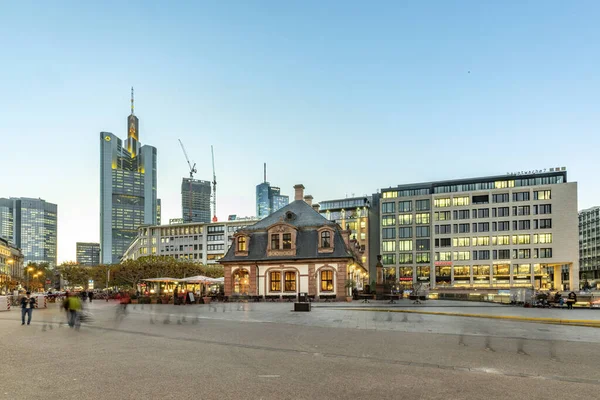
{"type": "Point", "coordinates": [88, 254]}
{"type": "Point", "coordinates": [195, 196]}
{"type": "Point", "coordinates": [31, 225]}
{"type": "Point", "coordinates": [269, 199]}
{"type": "Point", "coordinates": [127, 190]}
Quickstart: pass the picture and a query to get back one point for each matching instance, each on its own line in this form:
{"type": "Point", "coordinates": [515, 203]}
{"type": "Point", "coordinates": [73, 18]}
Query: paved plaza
{"type": "Point", "coordinates": [266, 351]}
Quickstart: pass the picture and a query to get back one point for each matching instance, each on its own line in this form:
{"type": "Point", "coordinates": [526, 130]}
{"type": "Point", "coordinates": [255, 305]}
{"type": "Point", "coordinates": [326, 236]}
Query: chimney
{"type": "Point", "coordinates": [299, 192]}
{"type": "Point", "coordinates": [308, 199]}
{"type": "Point", "coordinates": [316, 207]}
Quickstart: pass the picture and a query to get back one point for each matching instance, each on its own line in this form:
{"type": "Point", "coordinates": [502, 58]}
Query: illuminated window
{"type": "Point", "coordinates": [442, 216]}
{"type": "Point", "coordinates": [287, 241]}
{"type": "Point", "coordinates": [388, 220]}
{"type": "Point", "coordinates": [521, 239]}
{"type": "Point", "coordinates": [405, 206]}
{"type": "Point", "coordinates": [443, 256]}
{"type": "Point", "coordinates": [542, 238]}
{"type": "Point", "coordinates": [462, 255]}
{"type": "Point", "coordinates": [481, 241]}
{"type": "Point", "coordinates": [542, 195]}
{"type": "Point", "coordinates": [242, 243]}
{"type": "Point", "coordinates": [461, 201]}
{"type": "Point", "coordinates": [405, 219]}
{"type": "Point", "coordinates": [290, 281]}
{"type": "Point", "coordinates": [387, 208]}
{"type": "Point", "coordinates": [461, 242]}
{"type": "Point", "coordinates": [275, 279]}
{"type": "Point", "coordinates": [501, 240]}
{"type": "Point", "coordinates": [441, 202]}
{"type": "Point", "coordinates": [390, 195]}
{"type": "Point", "coordinates": [388, 245]}
{"type": "Point", "coordinates": [422, 218]}
{"type": "Point", "coordinates": [327, 281]}
{"type": "Point", "coordinates": [405, 245]}
{"type": "Point", "coordinates": [423, 257]}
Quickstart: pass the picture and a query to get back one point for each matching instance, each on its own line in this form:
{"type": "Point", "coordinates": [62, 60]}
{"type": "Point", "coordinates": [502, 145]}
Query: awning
{"type": "Point", "coordinates": [162, 280]}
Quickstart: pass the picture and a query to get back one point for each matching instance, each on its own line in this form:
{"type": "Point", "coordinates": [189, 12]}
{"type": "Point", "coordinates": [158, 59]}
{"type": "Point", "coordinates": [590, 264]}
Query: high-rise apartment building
{"type": "Point", "coordinates": [269, 198]}
{"type": "Point", "coordinates": [589, 245]}
{"type": "Point", "coordinates": [195, 200]}
{"type": "Point", "coordinates": [88, 254]}
{"type": "Point", "coordinates": [127, 189]}
{"type": "Point", "coordinates": [517, 230]}
{"type": "Point", "coordinates": [31, 225]}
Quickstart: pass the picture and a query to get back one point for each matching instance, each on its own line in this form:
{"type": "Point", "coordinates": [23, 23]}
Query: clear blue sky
{"type": "Point", "coordinates": [342, 96]}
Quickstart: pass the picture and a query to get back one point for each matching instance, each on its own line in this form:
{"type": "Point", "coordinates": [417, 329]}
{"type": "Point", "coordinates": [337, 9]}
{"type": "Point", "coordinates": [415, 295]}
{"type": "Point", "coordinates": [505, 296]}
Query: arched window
{"type": "Point", "coordinates": [242, 244]}
{"type": "Point", "coordinates": [325, 239]}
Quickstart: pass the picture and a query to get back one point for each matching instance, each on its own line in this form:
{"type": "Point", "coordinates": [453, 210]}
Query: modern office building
{"type": "Point", "coordinates": [11, 267]}
{"type": "Point", "coordinates": [269, 198]}
{"type": "Point", "coordinates": [353, 214]}
{"type": "Point", "coordinates": [201, 242]}
{"type": "Point", "coordinates": [195, 200]}
{"type": "Point", "coordinates": [88, 253]}
{"type": "Point", "coordinates": [31, 225]}
{"type": "Point", "coordinates": [127, 189]}
{"type": "Point", "coordinates": [158, 211]}
{"type": "Point", "coordinates": [517, 230]}
{"type": "Point", "coordinates": [589, 245]}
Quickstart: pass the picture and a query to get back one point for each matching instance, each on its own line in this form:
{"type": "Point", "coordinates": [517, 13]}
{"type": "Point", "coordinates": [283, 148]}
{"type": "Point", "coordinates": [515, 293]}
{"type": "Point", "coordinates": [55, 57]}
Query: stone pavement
{"type": "Point", "coordinates": [265, 351]}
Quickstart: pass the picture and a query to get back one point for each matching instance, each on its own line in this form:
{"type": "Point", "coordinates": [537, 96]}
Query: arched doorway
{"type": "Point", "coordinates": [241, 281]}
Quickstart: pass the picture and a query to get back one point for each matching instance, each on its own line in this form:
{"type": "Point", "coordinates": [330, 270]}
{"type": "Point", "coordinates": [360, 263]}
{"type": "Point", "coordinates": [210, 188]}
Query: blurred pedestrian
{"type": "Point", "coordinates": [27, 305]}
{"type": "Point", "coordinates": [90, 295]}
{"type": "Point", "coordinates": [73, 307]}
{"type": "Point", "coordinates": [571, 300]}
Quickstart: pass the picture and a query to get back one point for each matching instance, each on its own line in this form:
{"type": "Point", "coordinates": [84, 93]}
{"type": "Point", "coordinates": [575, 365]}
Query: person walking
{"type": "Point", "coordinates": [73, 307]}
{"type": "Point", "coordinates": [571, 300]}
{"type": "Point", "coordinates": [27, 305]}
{"type": "Point", "coordinates": [91, 296]}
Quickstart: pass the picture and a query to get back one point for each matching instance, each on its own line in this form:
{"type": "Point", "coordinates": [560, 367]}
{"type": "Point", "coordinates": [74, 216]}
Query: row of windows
{"type": "Point", "coordinates": [521, 225]}
{"type": "Point", "coordinates": [494, 254]}
{"type": "Point", "coordinates": [496, 198]}
{"type": "Point", "coordinates": [464, 271]}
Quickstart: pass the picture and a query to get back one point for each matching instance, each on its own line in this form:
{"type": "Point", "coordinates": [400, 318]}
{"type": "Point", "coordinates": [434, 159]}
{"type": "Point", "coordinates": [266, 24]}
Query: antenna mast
{"type": "Point", "coordinates": [214, 183]}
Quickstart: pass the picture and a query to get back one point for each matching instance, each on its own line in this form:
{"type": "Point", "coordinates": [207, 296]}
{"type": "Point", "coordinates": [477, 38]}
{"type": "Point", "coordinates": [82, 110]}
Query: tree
{"type": "Point", "coordinates": [74, 273]}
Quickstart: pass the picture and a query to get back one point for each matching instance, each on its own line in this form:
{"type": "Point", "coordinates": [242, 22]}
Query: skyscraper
{"type": "Point", "coordinates": [195, 196]}
{"type": "Point", "coordinates": [30, 224]}
{"type": "Point", "coordinates": [127, 189]}
{"type": "Point", "coordinates": [269, 198]}
{"type": "Point", "coordinates": [158, 211]}
{"type": "Point", "coordinates": [88, 254]}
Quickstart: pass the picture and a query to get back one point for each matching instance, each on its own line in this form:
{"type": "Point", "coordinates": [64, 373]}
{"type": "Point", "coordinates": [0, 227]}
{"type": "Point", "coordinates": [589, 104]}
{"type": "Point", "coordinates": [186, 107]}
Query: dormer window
{"type": "Point", "coordinates": [274, 241]}
{"type": "Point", "coordinates": [242, 244]}
{"type": "Point", "coordinates": [287, 241]}
{"type": "Point", "coordinates": [325, 239]}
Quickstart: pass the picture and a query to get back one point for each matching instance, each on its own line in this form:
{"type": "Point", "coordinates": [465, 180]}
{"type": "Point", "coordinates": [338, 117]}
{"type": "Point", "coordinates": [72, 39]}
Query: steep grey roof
{"type": "Point", "coordinates": [306, 245]}
{"type": "Point", "coordinates": [305, 216]}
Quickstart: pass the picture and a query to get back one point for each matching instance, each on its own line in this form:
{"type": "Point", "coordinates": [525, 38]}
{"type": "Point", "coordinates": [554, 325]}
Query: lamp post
{"type": "Point", "coordinates": [35, 276]}
{"type": "Point", "coordinates": [29, 269]}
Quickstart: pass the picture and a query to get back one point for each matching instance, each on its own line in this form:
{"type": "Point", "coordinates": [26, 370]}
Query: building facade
{"type": "Point", "coordinates": [88, 253]}
{"type": "Point", "coordinates": [11, 267]}
{"type": "Point", "coordinates": [205, 243]}
{"type": "Point", "coordinates": [127, 189]}
{"type": "Point", "coordinates": [589, 245]}
{"type": "Point", "coordinates": [352, 214]}
{"type": "Point", "coordinates": [293, 250]}
{"type": "Point", "coordinates": [491, 232]}
{"type": "Point", "coordinates": [158, 211]}
{"type": "Point", "coordinates": [195, 200]}
{"type": "Point", "coordinates": [31, 225]}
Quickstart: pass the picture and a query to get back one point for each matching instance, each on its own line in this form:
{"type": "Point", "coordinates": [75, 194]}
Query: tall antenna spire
{"type": "Point", "coordinates": [265, 172]}
{"type": "Point", "coordinates": [132, 100]}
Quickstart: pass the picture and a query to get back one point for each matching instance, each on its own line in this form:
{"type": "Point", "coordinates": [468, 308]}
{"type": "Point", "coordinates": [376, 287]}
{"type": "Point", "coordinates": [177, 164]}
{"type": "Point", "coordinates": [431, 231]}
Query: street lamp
{"type": "Point", "coordinates": [28, 271]}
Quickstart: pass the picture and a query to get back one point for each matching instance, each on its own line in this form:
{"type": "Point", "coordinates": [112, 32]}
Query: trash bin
{"type": "Point", "coordinates": [302, 297]}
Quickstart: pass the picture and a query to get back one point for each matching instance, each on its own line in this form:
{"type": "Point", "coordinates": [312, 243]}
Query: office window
{"type": "Point", "coordinates": [405, 206]}
{"type": "Point", "coordinates": [443, 256]}
{"type": "Point", "coordinates": [388, 233]}
{"type": "Point", "coordinates": [422, 205]}
{"type": "Point", "coordinates": [481, 241]}
{"type": "Point", "coordinates": [504, 254]}
{"type": "Point", "coordinates": [327, 281]}
{"type": "Point", "coordinates": [483, 227]}
{"type": "Point", "coordinates": [423, 258]}
{"type": "Point", "coordinates": [483, 213]}
{"type": "Point", "coordinates": [423, 231]}
{"type": "Point", "coordinates": [405, 232]}
{"type": "Point", "coordinates": [521, 239]}
{"type": "Point", "coordinates": [422, 218]}
{"type": "Point", "coordinates": [275, 279]}
{"type": "Point", "coordinates": [405, 258]}
{"type": "Point", "coordinates": [503, 212]}
{"type": "Point", "coordinates": [461, 201]}
{"type": "Point", "coordinates": [545, 209]}
{"type": "Point", "coordinates": [522, 269]}
{"type": "Point", "coordinates": [423, 244]}
{"type": "Point", "coordinates": [462, 255]}
{"type": "Point", "coordinates": [500, 198]}
{"type": "Point", "coordinates": [521, 210]}
{"type": "Point", "coordinates": [462, 214]}
{"type": "Point", "coordinates": [387, 259]}
{"type": "Point", "coordinates": [483, 255]}
{"type": "Point", "coordinates": [501, 240]}
{"type": "Point", "coordinates": [275, 241]}
{"type": "Point", "coordinates": [290, 281]}
{"type": "Point", "coordinates": [405, 245]}
{"type": "Point", "coordinates": [388, 245]}
{"type": "Point", "coordinates": [442, 216]}
{"type": "Point", "coordinates": [524, 253]}
{"type": "Point", "coordinates": [503, 226]}
{"type": "Point", "coordinates": [443, 229]}
{"type": "Point", "coordinates": [461, 242]}
{"type": "Point", "coordinates": [542, 195]}
{"type": "Point", "coordinates": [405, 219]}
{"type": "Point", "coordinates": [546, 253]}
{"type": "Point", "coordinates": [523, 225]}
{"type": "Point", "coordinates": [387, 208]}
{"type": "Point", "coordinates": [464, 228]}
{"type": "Point", "coordinates": [542, 238]}
{"type": "Point", "coordinates": [443, 242]}
{"type": "Point", "coordinates": [463, 271]}
{"type": "Point", "coordinates": [481, 270]}
{"type": "Point", "coordinates": [441, 202]}
{"type": "Point", "coordinates": [521, 196]}
{"type": "Point", "coordinates": [388, 220]}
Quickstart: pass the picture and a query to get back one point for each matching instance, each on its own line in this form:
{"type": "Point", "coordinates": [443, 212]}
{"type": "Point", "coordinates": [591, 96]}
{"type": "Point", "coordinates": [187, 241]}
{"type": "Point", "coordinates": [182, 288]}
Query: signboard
{"type": "Point", "coordinates": [192, 299]}
{"type": "Point", "coordinates": [537, 171]}
{"type": "Point", "coordinates": [405, 279]}
{"type": "Point", "coordinates": [231, 217]}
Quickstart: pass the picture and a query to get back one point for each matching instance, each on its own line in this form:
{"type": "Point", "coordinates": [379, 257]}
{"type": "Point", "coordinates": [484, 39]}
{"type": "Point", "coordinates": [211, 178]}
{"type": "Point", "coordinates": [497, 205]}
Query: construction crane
{"type": "Point", "coordinates": [214, 183]}
{"type": "Point", "coordinates": [192, 172]}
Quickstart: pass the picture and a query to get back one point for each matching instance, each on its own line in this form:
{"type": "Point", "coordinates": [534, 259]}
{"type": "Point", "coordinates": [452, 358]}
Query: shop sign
{"type": "Point", "coordinates": [537, 171]}
{"type": "Point", "coordinates": [405, 279]}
